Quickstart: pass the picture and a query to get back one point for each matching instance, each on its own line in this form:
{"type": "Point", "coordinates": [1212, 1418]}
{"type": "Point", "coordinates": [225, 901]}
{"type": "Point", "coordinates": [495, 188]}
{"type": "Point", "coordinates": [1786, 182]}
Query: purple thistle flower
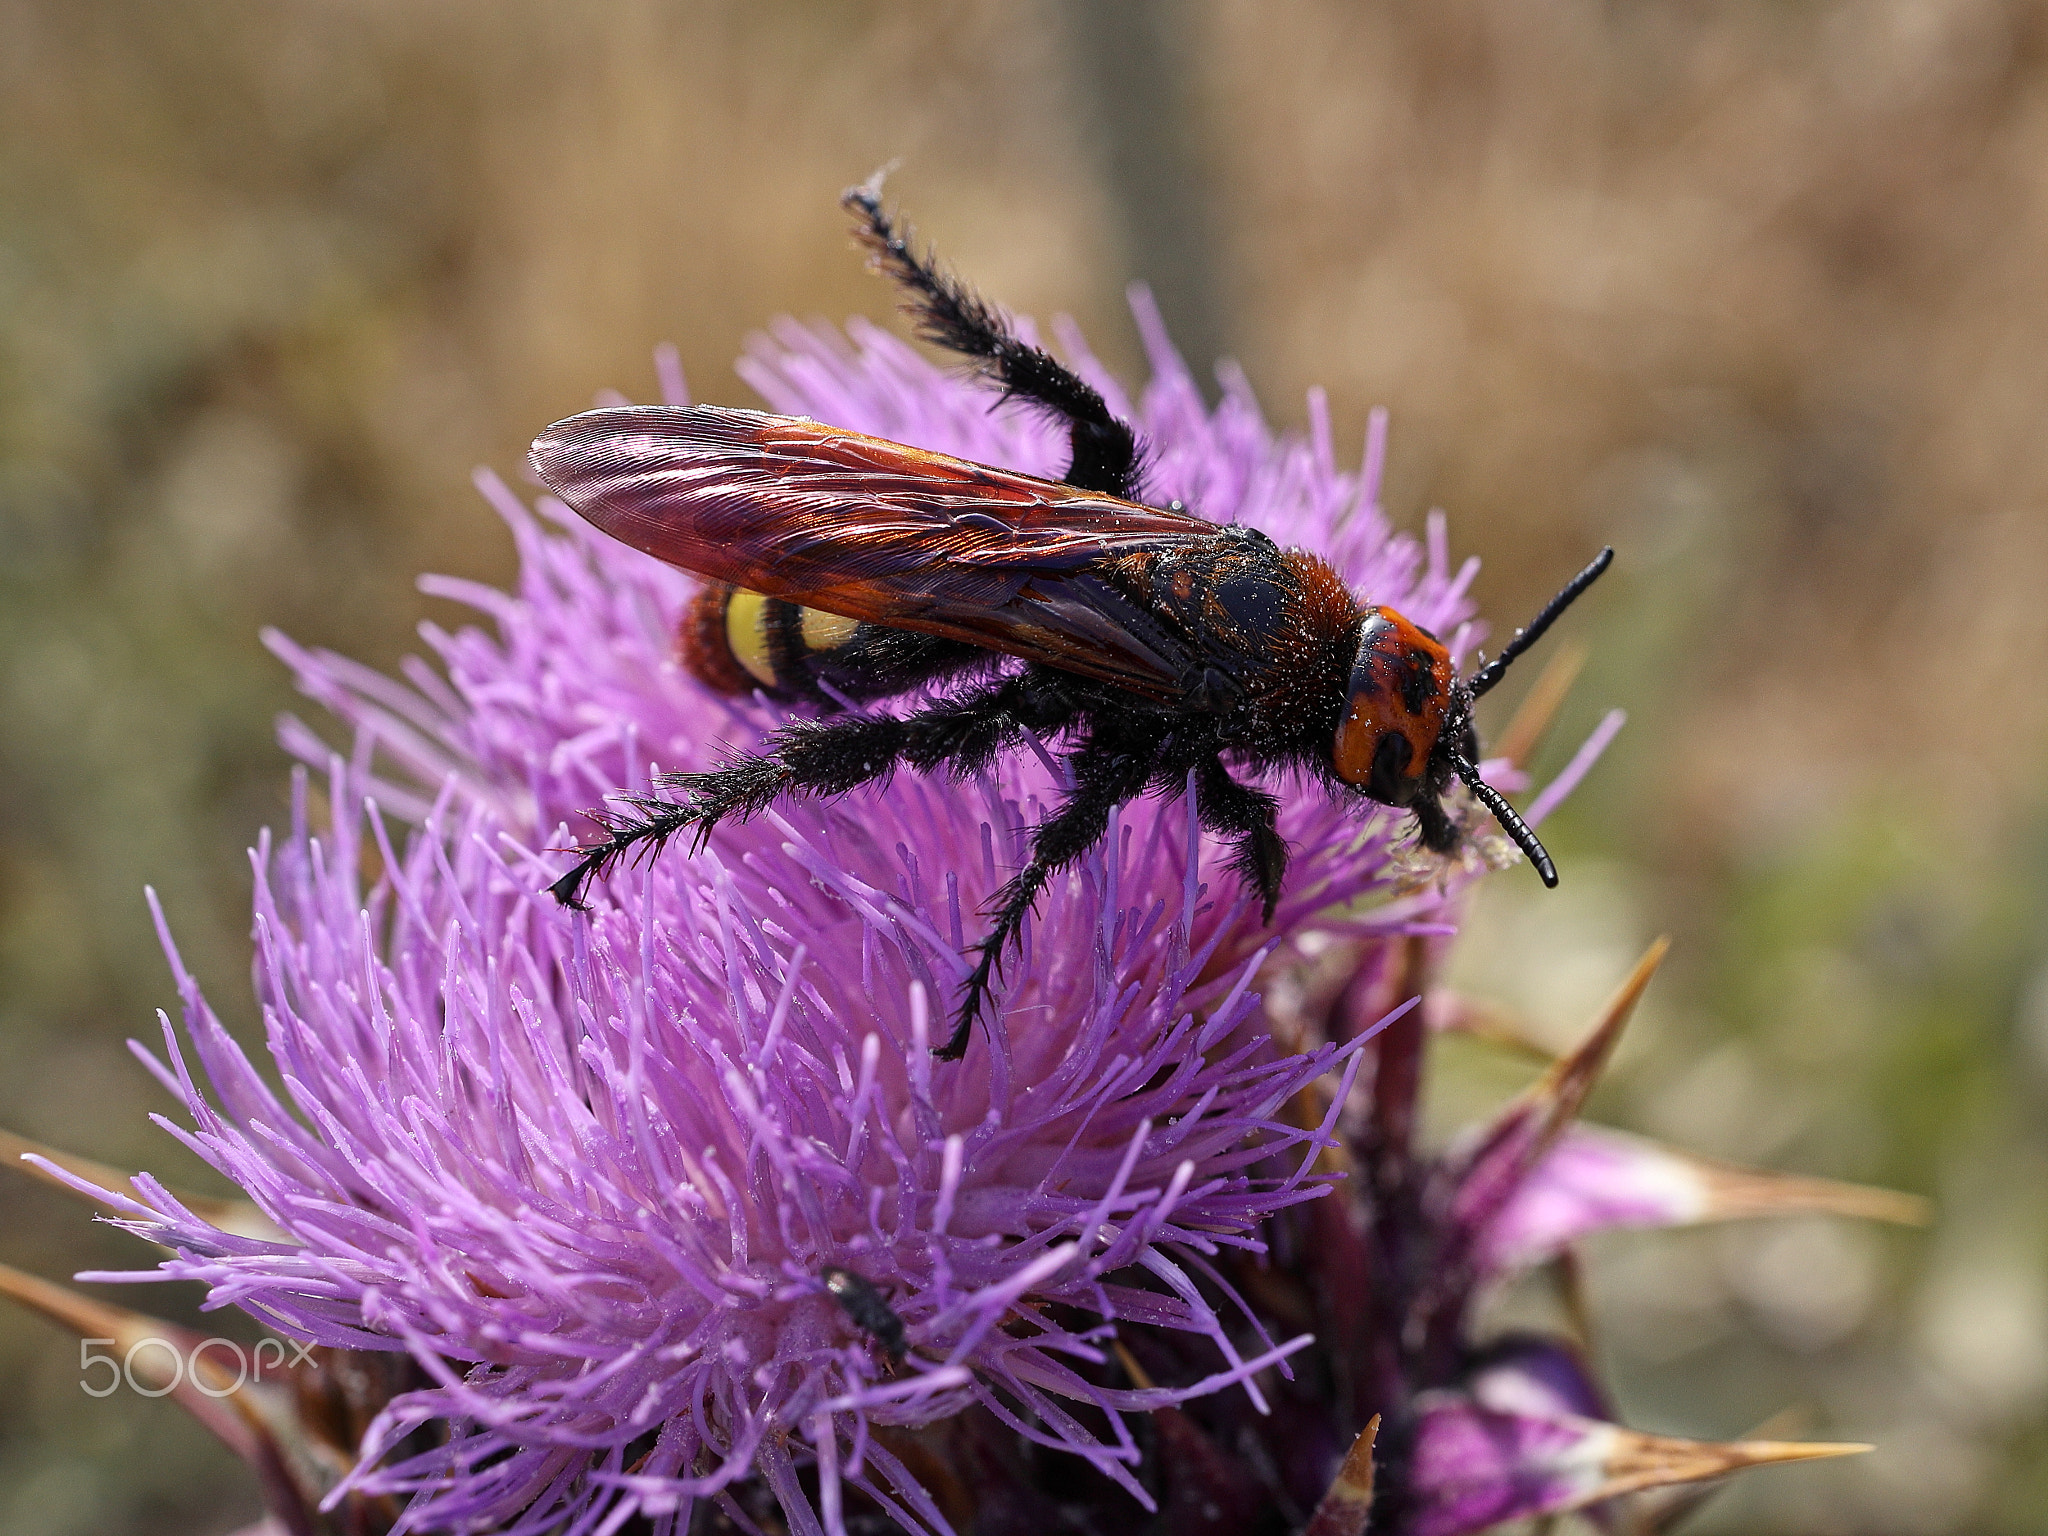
{"type": "Point", "coordinates": [591, 1171]}
{"type": "Point", "coordinates": [604, 1215]}
{"type": "Point", "coordinates": [610, 1165]}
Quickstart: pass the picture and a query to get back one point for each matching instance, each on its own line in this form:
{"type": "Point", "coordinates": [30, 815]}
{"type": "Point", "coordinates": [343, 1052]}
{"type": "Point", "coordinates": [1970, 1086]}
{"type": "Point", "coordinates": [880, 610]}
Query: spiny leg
{"type": "Point", "coordinates": [1231, 809]}
{"type": "Point", "coordinates": [825, 757]}
{"type": "Point", "coordinates": [952, 315]}
{"type": "Point", "coordinates": [1104, 778]}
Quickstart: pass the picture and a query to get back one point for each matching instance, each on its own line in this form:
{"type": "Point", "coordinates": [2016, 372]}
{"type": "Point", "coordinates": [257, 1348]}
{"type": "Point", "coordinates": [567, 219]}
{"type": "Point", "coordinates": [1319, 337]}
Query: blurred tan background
{"type": "Point", "coordinates": [1757, 292]}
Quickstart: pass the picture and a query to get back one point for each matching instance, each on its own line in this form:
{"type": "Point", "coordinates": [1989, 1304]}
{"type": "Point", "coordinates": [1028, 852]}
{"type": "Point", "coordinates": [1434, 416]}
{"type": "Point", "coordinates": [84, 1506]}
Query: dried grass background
{"type": "Point", "coordinates": [1756, 291]}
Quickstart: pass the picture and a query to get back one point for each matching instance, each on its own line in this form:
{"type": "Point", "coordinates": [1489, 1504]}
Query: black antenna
{"type": "Point", "coordinates": [1495, 669]}
{"type": "Point", "coordinates": [1523, 834]}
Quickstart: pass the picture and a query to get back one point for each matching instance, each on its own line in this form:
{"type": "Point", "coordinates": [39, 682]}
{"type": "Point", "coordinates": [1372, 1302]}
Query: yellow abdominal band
{"type": "Point", "coordinates": [748, 616]}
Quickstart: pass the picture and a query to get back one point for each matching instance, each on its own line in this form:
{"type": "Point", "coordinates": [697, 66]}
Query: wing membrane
{"type": "Point", "coordinates": [876, 531]}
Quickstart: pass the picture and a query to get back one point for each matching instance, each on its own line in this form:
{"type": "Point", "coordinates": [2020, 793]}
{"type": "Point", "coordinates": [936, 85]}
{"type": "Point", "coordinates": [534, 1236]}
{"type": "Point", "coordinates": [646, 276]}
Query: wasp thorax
{"type": "Point", "coordinates": [1399, 698]}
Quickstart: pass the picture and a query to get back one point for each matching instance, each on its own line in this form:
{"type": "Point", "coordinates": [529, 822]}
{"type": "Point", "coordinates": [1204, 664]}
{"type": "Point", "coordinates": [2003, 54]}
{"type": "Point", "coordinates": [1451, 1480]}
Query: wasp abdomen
{"type": "Point", "coordinates": [703, 646]}
{"type": "Point", "coordinates": [736, 640]}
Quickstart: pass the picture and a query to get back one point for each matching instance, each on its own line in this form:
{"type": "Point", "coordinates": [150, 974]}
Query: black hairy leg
{"type": "Point", "coordinates": [952, 315]}
{"type": "Point", "coordinates": [1231, 809]}
{"type": "Point", "coordinates": [1106, 774]}
{"type": "Point", "coordinates": [823, 757]}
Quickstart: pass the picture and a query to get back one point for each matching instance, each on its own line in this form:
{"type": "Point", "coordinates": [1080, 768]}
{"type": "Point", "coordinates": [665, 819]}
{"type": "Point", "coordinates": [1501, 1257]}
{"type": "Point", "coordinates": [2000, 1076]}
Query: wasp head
{"type": "Point", "coordinates": [1407, 732]}
{"type": "Point", "coordinates": [1406, 710]}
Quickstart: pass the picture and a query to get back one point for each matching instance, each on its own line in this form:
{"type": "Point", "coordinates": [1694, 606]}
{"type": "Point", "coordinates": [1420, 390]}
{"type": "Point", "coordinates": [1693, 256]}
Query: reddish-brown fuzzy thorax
{"type": "Point", "coordinates": [1400, 686]}
{"type": "Point", "coordinates": [1313, 648]}
{"type": "Point", "coordinates": [1327, 606]}
{"type": "Point", "coordinates": [1280, 623]}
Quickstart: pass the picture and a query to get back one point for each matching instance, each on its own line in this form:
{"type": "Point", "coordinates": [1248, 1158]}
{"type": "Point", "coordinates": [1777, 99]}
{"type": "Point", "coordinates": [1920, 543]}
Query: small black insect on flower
{"type": "Point", "coordinates": [1157, 644]}
{"type": "Point", "coordinates": [870, 1311]}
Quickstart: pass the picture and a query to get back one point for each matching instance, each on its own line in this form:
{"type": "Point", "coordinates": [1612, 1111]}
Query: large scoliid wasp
{"type": "Point", "coordinates": [844, 567]}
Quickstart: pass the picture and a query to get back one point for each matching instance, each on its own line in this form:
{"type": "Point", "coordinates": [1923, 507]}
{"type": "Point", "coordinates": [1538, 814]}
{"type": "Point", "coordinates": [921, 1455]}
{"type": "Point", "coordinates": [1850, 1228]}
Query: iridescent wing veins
{"type": "Point", "coordinates": [876, 531]}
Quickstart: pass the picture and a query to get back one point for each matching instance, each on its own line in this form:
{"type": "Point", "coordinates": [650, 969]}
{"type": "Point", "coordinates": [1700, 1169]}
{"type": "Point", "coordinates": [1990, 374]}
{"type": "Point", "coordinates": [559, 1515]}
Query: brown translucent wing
{"type": "Point", "coordinates": [876, 531]}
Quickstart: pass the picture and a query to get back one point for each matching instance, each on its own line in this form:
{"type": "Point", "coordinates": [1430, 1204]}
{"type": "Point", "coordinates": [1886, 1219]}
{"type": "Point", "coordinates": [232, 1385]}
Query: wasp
{"type": "Point", "coordinates": [1163, 649]}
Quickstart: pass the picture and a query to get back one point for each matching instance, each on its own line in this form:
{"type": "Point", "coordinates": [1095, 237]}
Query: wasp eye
{"type": "Point", "coordinates": [1377, 754]}
{"type": "Point", "coordinates": [1389, 781]}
